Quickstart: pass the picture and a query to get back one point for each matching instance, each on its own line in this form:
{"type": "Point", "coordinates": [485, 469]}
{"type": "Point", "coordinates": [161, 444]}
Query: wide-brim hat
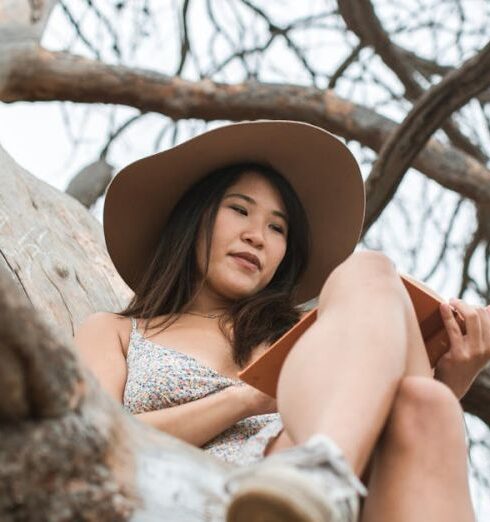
{"type": "Point", "coordinates": [320, 168]}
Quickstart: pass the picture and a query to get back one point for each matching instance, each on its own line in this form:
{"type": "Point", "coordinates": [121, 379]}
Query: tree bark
{"type": "Point", "coordinates": [68, 451]}
{"type": "Point", "coordinates": [55, 251]}
{"type": "Point", "coordinates": [427, 115]}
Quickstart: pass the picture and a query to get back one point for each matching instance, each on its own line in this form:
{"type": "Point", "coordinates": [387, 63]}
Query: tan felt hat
{"type": "Point", "coordinates": [320, 168]}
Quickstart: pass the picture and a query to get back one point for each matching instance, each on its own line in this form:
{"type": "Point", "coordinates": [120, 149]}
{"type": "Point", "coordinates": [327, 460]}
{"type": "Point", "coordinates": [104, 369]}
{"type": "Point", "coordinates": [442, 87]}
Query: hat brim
{"type": "Point", "coordinates": [320, 168]}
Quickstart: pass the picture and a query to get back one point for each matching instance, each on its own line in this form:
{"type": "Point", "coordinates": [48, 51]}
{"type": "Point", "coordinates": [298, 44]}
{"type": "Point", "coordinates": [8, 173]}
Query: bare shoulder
{"type": "Point", "coordinates": [99, 340]}
{"type": "Point", "coordinates": [103, 320]}
{"type": "Point", "coordinates": [105, 324]}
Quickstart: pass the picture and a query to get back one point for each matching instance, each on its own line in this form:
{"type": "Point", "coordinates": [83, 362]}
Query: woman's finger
{"type": "Point", "coordinates": [452, 326]}
{"type": "Point", "coordinates": [485, 329]}
{"type": "Point", "coordinates": [470, 316]}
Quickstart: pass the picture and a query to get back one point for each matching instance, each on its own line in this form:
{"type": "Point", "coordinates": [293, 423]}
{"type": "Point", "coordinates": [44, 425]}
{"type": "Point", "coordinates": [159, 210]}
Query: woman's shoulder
{"type": "Point", "coordinates": [108, 323]}
{"type": "Point", "coordinates": [106, 319]}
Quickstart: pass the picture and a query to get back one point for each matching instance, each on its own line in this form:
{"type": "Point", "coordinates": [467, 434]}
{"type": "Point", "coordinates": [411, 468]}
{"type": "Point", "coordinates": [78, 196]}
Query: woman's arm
{"type": "Point", "coordinates": [101, 350]}
{"type": "Point", "coordinates": [200, 421]}
{"type": "Point", "coordinates": [195, 422]}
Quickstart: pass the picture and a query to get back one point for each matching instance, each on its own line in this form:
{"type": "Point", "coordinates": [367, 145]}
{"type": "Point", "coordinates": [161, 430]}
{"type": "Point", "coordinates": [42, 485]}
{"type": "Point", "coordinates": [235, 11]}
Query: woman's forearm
{"type": "Point", "coordinates": [199, 421]}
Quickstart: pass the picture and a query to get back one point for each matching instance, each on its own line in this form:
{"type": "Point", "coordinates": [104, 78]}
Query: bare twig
{"type": "Point", "coordinates": [360, 17]}
{"type": "Point", "coordinates": [78, 30]}
{"type": "Point", "coordinates": [185, 46]}
{"type": "Point", "coordinates": [445, 241]}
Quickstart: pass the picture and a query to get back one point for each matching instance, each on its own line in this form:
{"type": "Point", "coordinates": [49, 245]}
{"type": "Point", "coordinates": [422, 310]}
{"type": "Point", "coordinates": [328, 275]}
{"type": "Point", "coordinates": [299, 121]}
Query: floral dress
{"type": "Point", "coordinates": [160, 377]}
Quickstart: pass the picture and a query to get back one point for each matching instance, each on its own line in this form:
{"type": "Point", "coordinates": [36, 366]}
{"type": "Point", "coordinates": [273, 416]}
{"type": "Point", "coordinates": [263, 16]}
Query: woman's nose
{"type": "Point", "coordinates": [254, 237]}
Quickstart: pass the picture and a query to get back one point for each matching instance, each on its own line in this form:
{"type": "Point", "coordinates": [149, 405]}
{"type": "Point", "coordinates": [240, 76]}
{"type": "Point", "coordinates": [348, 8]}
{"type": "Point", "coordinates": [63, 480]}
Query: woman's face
{"type": "Point", "coordinates": [251, 220]}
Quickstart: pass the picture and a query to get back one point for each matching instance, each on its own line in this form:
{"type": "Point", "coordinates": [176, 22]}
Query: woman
{"type": "Point", "coordinates": [214, 238]}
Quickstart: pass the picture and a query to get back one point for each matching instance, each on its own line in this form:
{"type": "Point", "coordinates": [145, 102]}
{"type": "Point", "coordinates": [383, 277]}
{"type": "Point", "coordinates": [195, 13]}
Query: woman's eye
{"type": "Point", "coordinates": [278, 228]}
{"type": "Point", "coordinates": [240, 210]}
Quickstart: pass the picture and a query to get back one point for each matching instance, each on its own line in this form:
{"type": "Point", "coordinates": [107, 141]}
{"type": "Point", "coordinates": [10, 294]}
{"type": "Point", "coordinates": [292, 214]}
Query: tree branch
{"type": "Point", "coordinates": [477, 400]}
{"type": "Point", "coordinates": [34, 74]}
{"type": "Point", "coordinates": [361, 19]}
{"type": "Point", "coordinates": [426, 116]}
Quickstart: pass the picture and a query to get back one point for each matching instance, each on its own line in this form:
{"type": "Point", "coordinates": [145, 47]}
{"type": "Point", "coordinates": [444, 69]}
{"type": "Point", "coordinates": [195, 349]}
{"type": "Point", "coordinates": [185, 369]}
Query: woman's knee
{"type": "Point", "coordinates": [361, 270]}
{"type": "Point", "coordinates": [424, 411]}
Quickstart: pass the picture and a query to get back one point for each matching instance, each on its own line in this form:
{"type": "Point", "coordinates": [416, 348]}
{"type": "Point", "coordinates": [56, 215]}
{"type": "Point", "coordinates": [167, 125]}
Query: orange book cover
{"type": "Point", "coordinates": [263, 373]}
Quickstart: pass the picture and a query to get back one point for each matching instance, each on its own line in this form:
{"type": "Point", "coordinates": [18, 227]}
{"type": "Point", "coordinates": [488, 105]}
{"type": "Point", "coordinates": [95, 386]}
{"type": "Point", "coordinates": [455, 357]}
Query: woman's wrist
{"type": "Point", "coordinates": [241, 399]}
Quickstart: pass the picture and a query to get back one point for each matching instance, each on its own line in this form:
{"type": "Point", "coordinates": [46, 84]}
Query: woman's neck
{"type": "Point", "coordinates": [208, 304]}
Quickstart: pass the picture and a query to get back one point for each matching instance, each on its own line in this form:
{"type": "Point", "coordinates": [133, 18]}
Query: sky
{"type": "Point", "coordinates": [54, 141]}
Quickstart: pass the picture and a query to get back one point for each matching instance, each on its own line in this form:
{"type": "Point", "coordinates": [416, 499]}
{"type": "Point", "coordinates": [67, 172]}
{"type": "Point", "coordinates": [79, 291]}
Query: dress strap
{"type": "Point", "coordinates": [133, 325]}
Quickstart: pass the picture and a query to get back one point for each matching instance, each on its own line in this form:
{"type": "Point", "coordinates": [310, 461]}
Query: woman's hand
{"type": "Point", "coordinates": [254, 401]}
{"type": "Point", "coordinates": [469, 352]}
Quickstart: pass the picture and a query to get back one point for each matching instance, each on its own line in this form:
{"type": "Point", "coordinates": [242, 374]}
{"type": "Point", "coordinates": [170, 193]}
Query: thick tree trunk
{"type": "Point", "coordinates": [67, 451]}
{"type": "Point", "coordinates": [55, 250]}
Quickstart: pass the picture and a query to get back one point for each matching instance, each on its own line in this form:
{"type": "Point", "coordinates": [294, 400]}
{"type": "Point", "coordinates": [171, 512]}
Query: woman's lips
{"type": "Point", "coordinates": [245, 263]}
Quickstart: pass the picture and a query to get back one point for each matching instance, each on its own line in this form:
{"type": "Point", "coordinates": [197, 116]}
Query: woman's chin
{"type": "Point", "coordinates": [235, 293]}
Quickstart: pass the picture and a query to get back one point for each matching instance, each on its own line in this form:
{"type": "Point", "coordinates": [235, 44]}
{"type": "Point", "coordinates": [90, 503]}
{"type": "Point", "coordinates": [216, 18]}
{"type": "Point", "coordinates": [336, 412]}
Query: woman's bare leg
{"type": "Point", "coordinates": [420, 468]}
{"type": "Point", "coordinates": [342, 375]}
{"type": "Point", "coordinates": [410, 475]}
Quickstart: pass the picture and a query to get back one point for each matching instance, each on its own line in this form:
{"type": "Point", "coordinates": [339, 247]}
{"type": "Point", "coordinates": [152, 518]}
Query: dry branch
{"type": "Point", "coordinates": [361, 18]}
{"type": "Point", "coordinates": [434, 107]}
{"type": "Point", "coordinates": [54, 250]}
{"type": "Point", "coordinates": [40, 75]}
{"type": "Point", "coordinates": [477, 400]}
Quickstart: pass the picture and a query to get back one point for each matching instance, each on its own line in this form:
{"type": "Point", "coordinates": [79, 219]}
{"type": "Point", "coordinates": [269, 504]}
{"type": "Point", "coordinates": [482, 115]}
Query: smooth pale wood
{"type": "Point", "coordinates": [24, 20]}
{"type": "Point", "coordinates": [67, 451]}
{"type": "Point", "coordinates": [55, 250]}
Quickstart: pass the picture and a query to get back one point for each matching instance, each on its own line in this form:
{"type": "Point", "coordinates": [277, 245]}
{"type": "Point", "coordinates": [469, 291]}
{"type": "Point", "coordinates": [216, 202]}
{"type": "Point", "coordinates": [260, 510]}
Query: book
{"type": "Point", "coordinates": [263, 373]}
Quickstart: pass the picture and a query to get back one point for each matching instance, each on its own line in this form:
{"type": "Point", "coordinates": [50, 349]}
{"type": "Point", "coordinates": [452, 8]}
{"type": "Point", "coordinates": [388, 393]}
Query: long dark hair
{"type": "Point", "coordinates": [172, 281]}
